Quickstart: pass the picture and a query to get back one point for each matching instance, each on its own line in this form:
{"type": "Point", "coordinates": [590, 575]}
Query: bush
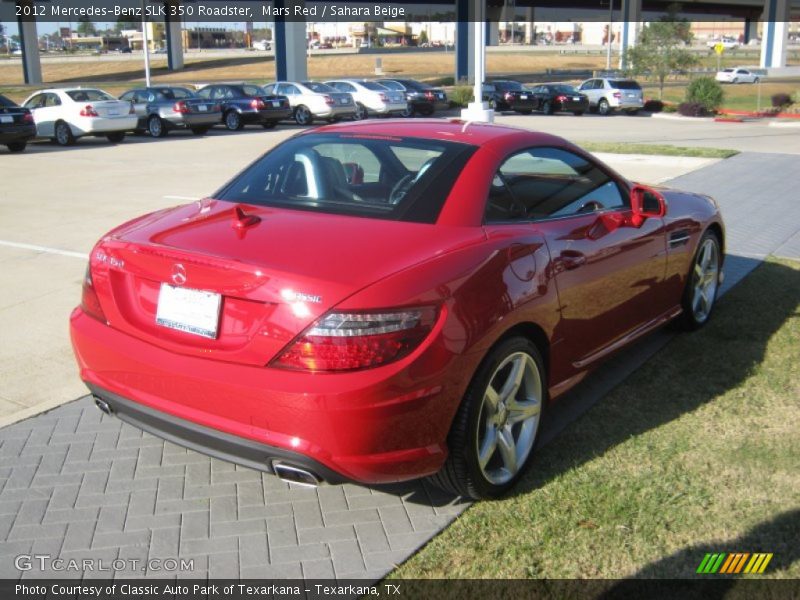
{"type": "Point", "coordinates": [705, 91]}
{"type": "Point", "coordinates": [670, 108]}
{"type": "Point", "coordinates": [796, 97]}
{"type": "Point", "coordinates": [692, 109]}
{"type": "Point", "coordinates": [654, 106]}
{"type": "Point", "coordinates": [461, 95]}
{"type": "Point", "coordinates": [781, 100]}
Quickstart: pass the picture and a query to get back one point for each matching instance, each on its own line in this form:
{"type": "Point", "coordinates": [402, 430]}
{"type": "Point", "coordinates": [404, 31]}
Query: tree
{"type": "Point", "coordinates": [423, 37]}
{"type": "Point", "coordinates": [660, 51]}
{"type": "Point", "coordinates": [86, 27]}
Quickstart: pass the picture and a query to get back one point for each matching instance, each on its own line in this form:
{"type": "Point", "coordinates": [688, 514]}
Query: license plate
{"type": "Point", "coordinates": [6, 119]}
{"type": "Point", "coordinates": [343, 100]}
{"type": "Point", "coordinates": [523, 97]}
{"type": "Point", "coordinates": [576, 98]}
{"type": "Point", "coordinates": [191, 311]}
{"type": "Point", "coordinates": [113, 112]}
{"type": "Point", "coordinates": [276, 103]}
{"type": "Point", "coordinates": [202, 107]}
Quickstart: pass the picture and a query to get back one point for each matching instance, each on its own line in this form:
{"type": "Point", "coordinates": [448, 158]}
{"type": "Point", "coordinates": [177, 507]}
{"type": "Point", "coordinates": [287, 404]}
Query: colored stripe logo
{"type": "Point", "coordinates": [723, 563]}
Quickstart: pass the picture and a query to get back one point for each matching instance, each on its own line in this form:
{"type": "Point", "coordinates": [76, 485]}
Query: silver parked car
{"type": "Point", "coordinates": [371, 97]}
{"type": "Point", "coordinates": [736, 75]}
{"type": "Point", "coordinates": [161, 109]}
{"type": "Point", "coordinates": [607, 94]}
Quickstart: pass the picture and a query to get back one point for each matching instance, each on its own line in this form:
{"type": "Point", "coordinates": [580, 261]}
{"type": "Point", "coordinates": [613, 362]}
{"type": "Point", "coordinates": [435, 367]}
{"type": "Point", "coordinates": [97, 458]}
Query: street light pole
{"type": "Point", "coordinates": [609, 36]}
{"type": "Point", "coordinates": [145, 47]}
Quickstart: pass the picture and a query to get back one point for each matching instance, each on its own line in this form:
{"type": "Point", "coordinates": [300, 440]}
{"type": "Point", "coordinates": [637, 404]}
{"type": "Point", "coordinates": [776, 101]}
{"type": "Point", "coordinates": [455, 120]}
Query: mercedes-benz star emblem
{"type": "Point", "coordinates": [178, 274]}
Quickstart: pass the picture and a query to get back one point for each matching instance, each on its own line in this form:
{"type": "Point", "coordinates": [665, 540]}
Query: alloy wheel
{"type": "Point", "coordinates": [509, 418]}
{"type": "Point", "coordinates": [705, 279]}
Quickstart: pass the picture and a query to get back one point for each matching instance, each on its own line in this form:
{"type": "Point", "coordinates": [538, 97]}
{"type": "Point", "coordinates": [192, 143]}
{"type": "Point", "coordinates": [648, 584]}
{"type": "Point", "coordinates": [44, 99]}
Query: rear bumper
{"type": "Point", "coordinates": [265, 116]}
{"type": "Point", "coordinates": [102, 125]}
{"type": "Point", "coordinates": [626, 103]}
{"type": "Point", "coordinates": [195, 120]}
{"type": "Point", "coordinates": [375, 426]}
{"type": "Point", "coordinates": [209, 441]}
{"type": "Point", "coordinates": [17, 133]}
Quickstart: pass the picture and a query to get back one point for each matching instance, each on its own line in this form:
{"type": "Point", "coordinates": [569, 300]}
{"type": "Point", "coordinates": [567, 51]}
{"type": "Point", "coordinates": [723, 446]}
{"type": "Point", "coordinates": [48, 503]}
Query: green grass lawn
{"type": "Point", "coordinates": [660, 149]}
{"type": "Point", "coordinates": [695, 452]}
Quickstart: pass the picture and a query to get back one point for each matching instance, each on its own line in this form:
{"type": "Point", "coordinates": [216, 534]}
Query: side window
{"type": "Point", "coordinates": [543, 183]}
{"type": "Point", "coordinates": [52, 100]}
{"type": "Point", "coordinates": [600, 84]}
{"type": "Point", "coordinates": [205, 93]}
{"type": "Point", "coordinates": [35, 102]}
{"type": "Point", "coordinates": [292, 90]}
{"type": "Point", "coordinates": [587, 85]}
{"type": "Point", "coordinates": [270, 89]}
{"type": "Point", "coordinates": [127, 96]}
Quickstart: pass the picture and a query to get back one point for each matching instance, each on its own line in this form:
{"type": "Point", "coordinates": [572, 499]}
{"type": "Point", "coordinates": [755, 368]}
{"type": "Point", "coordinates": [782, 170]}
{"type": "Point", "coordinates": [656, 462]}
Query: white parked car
{"type": "Point", "coordinates": [69, 113]}
{"type": "Point", "coordinates": [607, 94]}
{"type": "Point", "coordinates": [262, 45]}
{"type": "Point", "coordinates": [736, 75]}
{"type": "Point", "coordinates": [311, 100]}
{"type": "Point", "coordinates": [371, 97]}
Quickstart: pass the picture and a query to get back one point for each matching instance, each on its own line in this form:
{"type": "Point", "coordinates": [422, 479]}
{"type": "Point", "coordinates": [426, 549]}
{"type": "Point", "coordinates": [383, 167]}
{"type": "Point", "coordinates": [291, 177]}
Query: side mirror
{"type": "Point", "coordinates": [646, 203]}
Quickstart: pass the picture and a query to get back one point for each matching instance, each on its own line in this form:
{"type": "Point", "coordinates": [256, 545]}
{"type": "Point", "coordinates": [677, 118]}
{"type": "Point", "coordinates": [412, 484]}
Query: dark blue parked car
{"type": "Point", "coordinates": [244, 104]}
{"type": "Point", "coordinates": [16, 125]}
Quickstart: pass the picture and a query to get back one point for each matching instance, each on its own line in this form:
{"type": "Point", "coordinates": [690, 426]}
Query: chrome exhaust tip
{"type": "Point", "coordinates": [103, 405]}
{"type": "Point", "coordinates": [296, 475]}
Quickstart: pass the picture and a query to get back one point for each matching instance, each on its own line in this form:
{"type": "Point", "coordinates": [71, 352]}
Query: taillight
{"type": "Point", "coordinates": [90, 303]}
{"type": "Point", "coordinates": [343, 341]}
{"type": "Point", "coordinates": [617, 95]}
{"type": "Point", "coordinates": [27, 117]}
{"type": "Point", "coordinates": [383, 97]}
{"type": "Point", "coordinates": [180, 107]}
{"type": "Point", "coordinates": [257, 104]}
{"type": "Point", "coordinates": [329, 101]}
{"type": "Point", "coordinates": [429, 95]}
{"type": "Point", "coordinates": [508, 96]}
{"type": "Point", "coordinates": [561, 99]}
{"type": "Point", "coordinates": [89, 111]}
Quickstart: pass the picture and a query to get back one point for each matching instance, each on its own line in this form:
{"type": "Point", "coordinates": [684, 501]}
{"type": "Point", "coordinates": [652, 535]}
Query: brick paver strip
{"type": "Point", "coordinates": [75, 483]}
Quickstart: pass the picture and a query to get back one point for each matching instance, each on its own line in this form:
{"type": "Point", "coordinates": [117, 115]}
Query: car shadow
{"type": "Point", "coordinates": [636, 415]}
{"type": "Point", "coordinates": [777, 536]}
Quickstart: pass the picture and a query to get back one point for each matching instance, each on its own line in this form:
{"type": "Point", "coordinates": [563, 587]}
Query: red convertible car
{"type": "Point", "coordinates": [383, 301]}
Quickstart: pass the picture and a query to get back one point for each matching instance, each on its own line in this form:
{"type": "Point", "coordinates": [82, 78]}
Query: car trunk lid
{"type": "Point", "coordinates": [272, 272]}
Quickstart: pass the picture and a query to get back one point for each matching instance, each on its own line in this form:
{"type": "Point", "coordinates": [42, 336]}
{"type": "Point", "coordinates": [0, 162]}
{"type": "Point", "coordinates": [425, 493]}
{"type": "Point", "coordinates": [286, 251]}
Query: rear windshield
{"type": "Point", "coordinates": [6, 103]}
{"type": "Point", "coordinates": [621, 84]}
{"type": "Point", "coordinates": [320, 88]}
{"type": "Point", "coordinates": [174, 94]}
{"type": "Point", "coordinates": [392, 85]}
{"type": "Point", "coordinates": [505, 86]}
{"type": "Point", "coordinates": [88, 95]}
{"type": "Point", "coordinates": [564, 89]}
{"type": "Point", "coordinates": [375, 87]}
{"type": "Point", "coordinates": [252, 90]}
{"type": "Point", "coordinates": [391, 178]}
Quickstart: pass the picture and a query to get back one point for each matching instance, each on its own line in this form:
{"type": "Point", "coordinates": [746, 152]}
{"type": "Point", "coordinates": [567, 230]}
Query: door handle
{"type": "Point", "coordinates": [572, 259]}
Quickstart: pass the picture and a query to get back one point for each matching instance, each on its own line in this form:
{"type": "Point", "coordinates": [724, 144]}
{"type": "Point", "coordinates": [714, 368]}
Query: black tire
{"type": "Point", "coordinates": [547, 107]}
{"type": "Point", "coordinates": [462, 474]}
{"type": "Point", "coordinates": [116, 137]}
{"type": "Point", "coordinates": [577, 113]}
{"type": "Point", "coordinates": [691, 318]}
{"type": "Point", "coordinates": [756, 80]}
{"type": "Point", "coordinates": [233, 121]}
{"type": "Point", "coordinates": [408, 112]}
{"type": "Point", "coordinates": [16, 146]}
{"type": "Point", "coordinates": [361, 112]}
{"type": "Point", "coordinates": [735, 80]}
{"type": "Point", "coordinates": [303, 116]}
{"type": "Point", "coordinates": [603, 107]}
{"type": "Point", "coordinates": [156, 127]}
{"type": "Point", "coordinates": [200, 130]}
{"type": "Point", "coordinates": [63, 134]}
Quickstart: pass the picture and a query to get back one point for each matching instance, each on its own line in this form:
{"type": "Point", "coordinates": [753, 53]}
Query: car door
{"type": "Point", "coordinates": [139, 99]}
{"type": "Point", "coordinates": [50, 112]}
{"type": "Point", "coordinates": [34, 104]}
{"type": "Point", "coordinates": [609, 275]}
{"type": "Point", "coordinates": [589, 88]}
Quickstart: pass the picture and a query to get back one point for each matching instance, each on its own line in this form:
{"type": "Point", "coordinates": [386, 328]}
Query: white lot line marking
{"type": "Point", "coordinates": [35, 248]}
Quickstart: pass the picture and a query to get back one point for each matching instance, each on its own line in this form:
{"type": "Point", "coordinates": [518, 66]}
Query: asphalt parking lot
{"type": "Point", "coordinates": [75, 481]}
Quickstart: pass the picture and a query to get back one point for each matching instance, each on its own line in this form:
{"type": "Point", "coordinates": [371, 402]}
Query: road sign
{"type": "Point", "coordinates": [719, 48]}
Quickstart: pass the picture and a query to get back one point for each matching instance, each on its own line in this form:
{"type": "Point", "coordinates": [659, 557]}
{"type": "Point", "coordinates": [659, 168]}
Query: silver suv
{"type": "Point", "coordinates": [607, 94]}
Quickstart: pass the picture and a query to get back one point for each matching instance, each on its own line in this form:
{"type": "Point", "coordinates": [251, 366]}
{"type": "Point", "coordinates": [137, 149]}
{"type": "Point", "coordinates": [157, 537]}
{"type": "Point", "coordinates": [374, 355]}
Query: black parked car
{"type": "Point", "coordinates": [161, 109]}
{"type": "Point", "coordinates": [16, 125]}
{"type": "Point", "coordinates": [498, 92]}
{"type": "Point", "coordinates": [244, 104]}
{"type": "Point", "coordinates": [422, 98]}
{"type": "Point", "coordinates": [549, 98]}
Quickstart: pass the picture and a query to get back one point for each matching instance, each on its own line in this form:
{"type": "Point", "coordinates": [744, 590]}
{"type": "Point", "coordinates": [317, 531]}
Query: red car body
{"type": "Point", "coordinates": [580, 287]}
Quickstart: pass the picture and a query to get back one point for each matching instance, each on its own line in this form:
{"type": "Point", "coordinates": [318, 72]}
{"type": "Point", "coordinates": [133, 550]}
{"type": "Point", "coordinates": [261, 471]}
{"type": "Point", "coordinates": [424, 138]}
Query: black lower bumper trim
{"type": "Point", "coordinates": [210, 441]}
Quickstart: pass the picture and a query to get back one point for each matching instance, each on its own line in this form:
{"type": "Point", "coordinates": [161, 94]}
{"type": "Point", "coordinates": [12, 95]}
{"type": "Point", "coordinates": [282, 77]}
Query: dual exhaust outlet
{"type": "Point", "coordinates": [282, 470]}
